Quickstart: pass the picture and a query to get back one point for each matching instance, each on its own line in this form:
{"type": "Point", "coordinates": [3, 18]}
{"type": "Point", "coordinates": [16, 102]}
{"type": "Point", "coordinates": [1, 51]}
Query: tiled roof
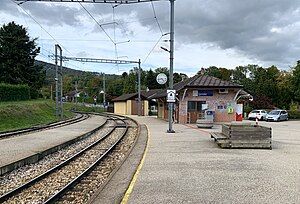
{"type": "Point", "coordinates": [126, 97]}
{"type": "Point", "coordinates": [209, 81]}
{"type": "Point", "coordinates": [198, 81]}
{"type": "Point", "coordinates": [150, 92]}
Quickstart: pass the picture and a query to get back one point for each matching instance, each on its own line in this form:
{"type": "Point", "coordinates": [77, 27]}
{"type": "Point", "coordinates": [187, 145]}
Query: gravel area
{"type": "Point", "coordinates": [23, 174]}
{"type": "Point", "coordinates": [84, 190]}
{"type": "Point", "coordinates": [42, 190]}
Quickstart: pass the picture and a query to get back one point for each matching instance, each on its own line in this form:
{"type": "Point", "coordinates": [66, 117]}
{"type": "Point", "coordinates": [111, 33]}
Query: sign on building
{"type": "Point", "coordinates": [171, 96]}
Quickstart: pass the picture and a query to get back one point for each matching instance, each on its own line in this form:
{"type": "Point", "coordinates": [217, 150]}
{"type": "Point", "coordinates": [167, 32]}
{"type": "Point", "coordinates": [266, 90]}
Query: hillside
{"type": "Point", "coordinates": [50, 73]}
{"type": "Point", "coordinates": [66, 71]}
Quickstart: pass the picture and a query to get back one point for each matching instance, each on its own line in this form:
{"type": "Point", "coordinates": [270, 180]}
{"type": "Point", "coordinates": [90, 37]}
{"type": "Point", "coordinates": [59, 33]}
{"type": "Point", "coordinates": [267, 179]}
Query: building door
{"type": "Point", "coordinates": [135, 106]}
{"type": "Point", "coordinates": [195, 110]}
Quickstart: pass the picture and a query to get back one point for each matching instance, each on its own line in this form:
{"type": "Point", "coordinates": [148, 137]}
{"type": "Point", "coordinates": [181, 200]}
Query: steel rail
{"type": "Point", "coordinates": [17, 190]}
{"type": "Point", "coordinates": [86, 172]}
{"type": "Point", "coordinates": [43, 127]}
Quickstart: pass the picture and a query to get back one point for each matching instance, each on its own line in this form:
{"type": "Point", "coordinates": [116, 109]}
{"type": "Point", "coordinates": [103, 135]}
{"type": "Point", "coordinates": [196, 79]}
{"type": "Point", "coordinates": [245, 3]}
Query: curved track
{"type": "Point", "coordinates": [51, 185]}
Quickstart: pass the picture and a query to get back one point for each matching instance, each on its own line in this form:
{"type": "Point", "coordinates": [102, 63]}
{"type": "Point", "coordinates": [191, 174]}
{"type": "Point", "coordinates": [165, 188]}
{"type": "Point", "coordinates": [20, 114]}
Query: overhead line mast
{"type": "Point", "coordinates": [172, 34]}
{"type": "Point", "coordinates": [94, 1]}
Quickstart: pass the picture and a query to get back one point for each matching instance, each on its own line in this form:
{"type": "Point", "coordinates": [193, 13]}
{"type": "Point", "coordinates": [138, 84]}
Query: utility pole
{"type": "Point", "coordinates": [104, 102]}
{"type": "Point", "coordinates": [58, 82]}
{"type": "Point", "coordinates": [139, 89]}
{"type": "Point", "coordinates": [172, 31]}
{"type": "Point", "coordinates": [51, 92]}
{"type": "Point", "coordinates": [61, 87]}
{"type": "Point", "coordinates": [76, 91]}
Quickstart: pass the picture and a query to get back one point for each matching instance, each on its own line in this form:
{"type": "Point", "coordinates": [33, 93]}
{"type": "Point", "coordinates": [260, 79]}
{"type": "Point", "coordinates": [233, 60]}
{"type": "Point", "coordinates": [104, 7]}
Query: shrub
{"type": "Point", "coordinates": [294, 114]}
{"type": "Point", "coordinates": [9, 92]}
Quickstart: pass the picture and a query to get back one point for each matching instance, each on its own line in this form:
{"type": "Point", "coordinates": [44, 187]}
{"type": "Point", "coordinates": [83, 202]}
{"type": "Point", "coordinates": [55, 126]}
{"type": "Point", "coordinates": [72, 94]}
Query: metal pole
{"type": "Point", "coordinates": [56, 83]}
{"type": "Point", "coordinates": [170, 130]}
{"type": "Point", "coordinates": [139, 89]}
{"type": "Point", "coordinates": [61, 87]}
{"type": "Point", "coordinates": [51, 93]}
{"type": "Point", "coordinates": [76, 90]}
{"type": "Point", "coordinates": [104, 91]}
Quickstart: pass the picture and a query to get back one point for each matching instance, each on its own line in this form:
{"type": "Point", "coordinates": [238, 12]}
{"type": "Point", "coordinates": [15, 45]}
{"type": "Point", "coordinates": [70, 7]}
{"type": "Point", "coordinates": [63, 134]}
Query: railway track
{"type": "Point", "coordinates": [76, 177]}
{"type": "Point", "coordinates": [13, 133]}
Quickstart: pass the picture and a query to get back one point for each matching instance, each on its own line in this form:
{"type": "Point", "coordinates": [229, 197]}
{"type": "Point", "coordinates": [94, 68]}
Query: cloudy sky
{"type": "Point", "coordinates": [223, 33]}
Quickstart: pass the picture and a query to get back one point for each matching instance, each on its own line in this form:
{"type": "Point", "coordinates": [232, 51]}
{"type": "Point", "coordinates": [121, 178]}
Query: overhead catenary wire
{"type": "Point", "coordinates": [97, 22]}
{"type": "Point", "coordinates": [156, 19]}
{"type": "Point", "coordinates": [114, 40]}
{"type": "Point", "coordinates": [42, 27]}
{"type": "Point", "coordinates": [152, 49]}
{"type": "Point", "coordinates": [160, 29]}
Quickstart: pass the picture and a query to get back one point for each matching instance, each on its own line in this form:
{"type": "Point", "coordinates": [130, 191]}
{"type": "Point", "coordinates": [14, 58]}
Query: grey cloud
{"type": "Point", "coordinates": [242, 25]}
{"type": "Point", "coordinates": [53, 15]}
{"type": "Point", "coordinates": [45, 12]}
{"type": "Point", "coordinates": [245, 25]}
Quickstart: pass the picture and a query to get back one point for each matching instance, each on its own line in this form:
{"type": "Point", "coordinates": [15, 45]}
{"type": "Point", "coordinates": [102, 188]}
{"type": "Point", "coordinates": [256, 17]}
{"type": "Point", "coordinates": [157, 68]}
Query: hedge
{"type": "Point", "coordinates": [294, 114]}
{"type": "Point", "coordinates": [9, 92]}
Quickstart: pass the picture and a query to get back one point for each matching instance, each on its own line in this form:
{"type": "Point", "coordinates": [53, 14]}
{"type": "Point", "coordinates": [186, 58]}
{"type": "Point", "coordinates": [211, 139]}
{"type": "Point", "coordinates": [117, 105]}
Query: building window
{"type": "Point", "coordinates": [194, 106]}
{"type": "Point", "coordinates": [191, 106]}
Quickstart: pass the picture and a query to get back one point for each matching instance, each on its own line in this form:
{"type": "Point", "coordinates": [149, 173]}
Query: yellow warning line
{"type": "Point", "coordinates": [132, 183]}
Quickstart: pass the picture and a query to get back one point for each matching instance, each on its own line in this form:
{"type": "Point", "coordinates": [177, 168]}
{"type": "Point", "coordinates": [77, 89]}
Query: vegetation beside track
{"type": "Point", "coordinates": [25, 114]}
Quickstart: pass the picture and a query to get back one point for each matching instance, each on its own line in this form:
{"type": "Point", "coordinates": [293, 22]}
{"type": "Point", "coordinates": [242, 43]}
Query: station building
{"type": "Point", "coordinates": [198, 93]}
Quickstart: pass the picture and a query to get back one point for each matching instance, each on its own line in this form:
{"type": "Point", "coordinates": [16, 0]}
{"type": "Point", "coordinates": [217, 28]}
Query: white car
{"type": "Point", "coordinates": [259, 114]}
{"type": "Point", "coordinates": [277, 115]}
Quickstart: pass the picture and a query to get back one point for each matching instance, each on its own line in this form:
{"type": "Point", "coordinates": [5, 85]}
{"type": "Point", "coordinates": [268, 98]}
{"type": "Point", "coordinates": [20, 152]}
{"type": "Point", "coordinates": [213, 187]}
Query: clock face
{"type": "Point", "coordinates": [161, 78]}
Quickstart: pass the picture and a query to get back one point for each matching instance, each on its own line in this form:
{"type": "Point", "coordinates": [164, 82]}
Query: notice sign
{"type": "Point", "coordinates": [205, 93]}
{"type": "Point", "coordinates": [171, 95]}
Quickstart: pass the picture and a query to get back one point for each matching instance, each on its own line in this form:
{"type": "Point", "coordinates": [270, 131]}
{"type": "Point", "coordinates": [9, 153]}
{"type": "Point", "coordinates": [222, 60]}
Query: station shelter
{"type": "Point", "coordinates": [199, 93]}
{"type": "Point", "coordinates": [127, 104]}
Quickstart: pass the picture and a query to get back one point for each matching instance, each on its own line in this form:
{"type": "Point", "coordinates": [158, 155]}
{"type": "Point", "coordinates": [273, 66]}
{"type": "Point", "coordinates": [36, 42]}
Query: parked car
{"type": "Point", "coordinates": [277, 115]}
{"type": "Point", "coordinates": [259, 114]}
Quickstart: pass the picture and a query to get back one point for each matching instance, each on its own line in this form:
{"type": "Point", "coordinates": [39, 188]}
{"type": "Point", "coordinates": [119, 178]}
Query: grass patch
{"type": "Point", "coordinates": [24, 114]}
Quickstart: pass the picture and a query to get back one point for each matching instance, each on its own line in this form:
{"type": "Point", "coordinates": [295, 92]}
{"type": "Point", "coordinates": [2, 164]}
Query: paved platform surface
{"type": "Point", "coordinates": [16, 148]}
{"type": "Point", "coordinates": [188, 167]}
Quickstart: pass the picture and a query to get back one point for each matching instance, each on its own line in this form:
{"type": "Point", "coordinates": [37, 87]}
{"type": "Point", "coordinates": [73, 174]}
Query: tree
{"type": "Point", "coordinates": [221, 73]}
{"type": "Point", "coordinates": [151, 80]}
{"type": "Point", "coordinates": [130, 82]}
{"type": "Point", "coordinates": [17, 54]}
{"type": "Point", "coordinates": [296, 81]}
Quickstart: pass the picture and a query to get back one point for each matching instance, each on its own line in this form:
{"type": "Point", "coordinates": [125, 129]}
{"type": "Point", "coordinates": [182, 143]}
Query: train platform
{"type": "Point", "coordinates": [16, 148]}
{"type": "Point", "coordinates": [188, 167]}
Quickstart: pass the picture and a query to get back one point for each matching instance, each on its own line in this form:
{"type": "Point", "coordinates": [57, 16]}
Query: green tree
{"type": "Point", "coordinates": [17, 54]}
{"type": "Point", "coordinates": [296, 81]}
{"type": "Point", "coordinates": [221, 73]}
{"type": "Point", "coordinates": [151, 80]}
{"type": "Point", "coordinates": [130, 82]}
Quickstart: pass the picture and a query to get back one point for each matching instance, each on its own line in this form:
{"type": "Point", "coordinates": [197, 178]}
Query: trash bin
{"type": "Point", "coordinates": [209, 115]}
{"type": "Point", "coordinates": [208, 120]}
